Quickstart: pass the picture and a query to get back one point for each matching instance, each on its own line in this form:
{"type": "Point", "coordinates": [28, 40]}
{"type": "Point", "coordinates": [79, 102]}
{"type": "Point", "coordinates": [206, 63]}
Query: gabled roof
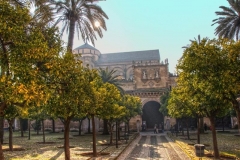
{"type": "Point", "coordinates": [129, 56]}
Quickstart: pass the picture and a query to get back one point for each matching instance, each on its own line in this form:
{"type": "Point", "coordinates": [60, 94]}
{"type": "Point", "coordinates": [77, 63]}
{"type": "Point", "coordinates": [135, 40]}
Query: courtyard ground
{"type": "Point", "coordinates": [53, 149]}
{"type": "Point", "coordinates": [228, 143]}
{"type": "Point", "coordinates": [33, 150]}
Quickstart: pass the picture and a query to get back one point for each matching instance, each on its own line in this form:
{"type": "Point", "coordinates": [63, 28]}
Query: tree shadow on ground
{"type": "Point", "coordinates": [90, 154]}
{"type": "Point", "coordinates": [14, 149]}
{"type": "Point", "coordinates": [57, 155]}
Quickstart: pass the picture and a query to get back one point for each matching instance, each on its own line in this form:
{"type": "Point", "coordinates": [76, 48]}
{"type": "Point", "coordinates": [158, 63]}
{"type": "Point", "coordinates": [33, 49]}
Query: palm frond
{"type": "Point", "coordinates": [235, 4]}
{"type": "Point", "coordinates": [228, 22]}
{"type": "Point", "coordinates": [110, 77]}
{"type": "Point", "coordinates": [84, 13]}
{"type": "Point", "coordinates": [226, 10]}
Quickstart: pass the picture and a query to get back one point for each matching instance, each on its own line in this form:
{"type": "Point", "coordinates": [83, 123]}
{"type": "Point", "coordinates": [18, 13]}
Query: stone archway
{"type": "Point", "coordinates": [151, 114]}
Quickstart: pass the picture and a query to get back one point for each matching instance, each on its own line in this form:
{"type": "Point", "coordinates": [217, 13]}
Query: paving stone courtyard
{"type": "Point", "coordinates": [154, 146]}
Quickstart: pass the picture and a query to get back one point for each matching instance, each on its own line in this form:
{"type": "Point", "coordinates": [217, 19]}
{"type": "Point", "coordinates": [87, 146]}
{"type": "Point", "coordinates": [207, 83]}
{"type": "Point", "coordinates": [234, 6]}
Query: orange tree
{"type": "Point", "coordinates": [101, 100]}
{"type": "Point", "coordinates": [111, 77]}
{"type": "Point", "coordinates": [164, 101]}
{"type": "Point", "coordinates": [39, 115]}
{"type": "Point", "coordinates": [68, 85]}
{"type": "Point", "coordinates": [203, 81]}
{"type": "Point", "coordinates": [230, 68]}
{"type": "Point", "coordinates": [232, 76]}
{"type": "Point", "coordinates": [22, 47]}
{"type": "Point", "coordinates": [111, 108]}
{"type": "Point", "coordinates": [10, 113]}
{"type": "Point", "coordinates": [133, 106]}
{"type": "Point", "coordinates": [179, 106]}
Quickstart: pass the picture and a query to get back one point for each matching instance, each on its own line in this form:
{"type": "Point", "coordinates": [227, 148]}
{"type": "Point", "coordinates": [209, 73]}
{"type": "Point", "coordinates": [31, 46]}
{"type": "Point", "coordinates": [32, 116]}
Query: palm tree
{"type": "Point", "coordinates": [229, 22]}
{"type": "Point", "coordinates": [109, 77]}
{"type": "Point", "coordinates": [75, 15]}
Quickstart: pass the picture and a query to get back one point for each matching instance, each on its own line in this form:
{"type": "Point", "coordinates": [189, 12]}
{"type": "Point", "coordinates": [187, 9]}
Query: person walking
{"type": "Point", "coordinates": [155, 129]}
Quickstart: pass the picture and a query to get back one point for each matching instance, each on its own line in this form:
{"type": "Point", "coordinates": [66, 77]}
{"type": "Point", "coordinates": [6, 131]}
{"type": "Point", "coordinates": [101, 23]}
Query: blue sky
{"type": "Point", "coordinates": [167, 25]}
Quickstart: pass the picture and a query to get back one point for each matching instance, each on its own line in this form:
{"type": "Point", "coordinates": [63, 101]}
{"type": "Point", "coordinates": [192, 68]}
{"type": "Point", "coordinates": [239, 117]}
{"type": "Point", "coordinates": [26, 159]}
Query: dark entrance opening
{"type": "Point", "coordinates": [151, 114]}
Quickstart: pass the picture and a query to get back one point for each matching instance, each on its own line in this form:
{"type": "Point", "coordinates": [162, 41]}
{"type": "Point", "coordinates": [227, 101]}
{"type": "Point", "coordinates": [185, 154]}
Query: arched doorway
{"type": "Point", "coordinates": [151, 114]}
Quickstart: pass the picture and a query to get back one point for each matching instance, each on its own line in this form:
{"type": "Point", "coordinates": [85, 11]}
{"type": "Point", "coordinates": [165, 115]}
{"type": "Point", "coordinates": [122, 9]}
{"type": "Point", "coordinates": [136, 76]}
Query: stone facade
{"type": "Point", "coordinates": [141, 73]}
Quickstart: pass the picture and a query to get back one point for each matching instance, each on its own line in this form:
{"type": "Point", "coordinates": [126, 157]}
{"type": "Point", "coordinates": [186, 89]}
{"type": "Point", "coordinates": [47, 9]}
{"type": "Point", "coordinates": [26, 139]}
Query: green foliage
{"type": "Point", "coordinates": [110, 77]}
{"type": "Point", "coordinates": [110, 108]}
{"type": "Point", "coordinates": [23, 47]}
{"type": "Point", "coordinates": [233, 113]}
{"type": "Point", "coordinates": [164, 103]}
{"type": "Point", "coordinates": [207, 82]}
{"type": "Point", "coordinates": [101, 98]}
{"type": "Point", "coordinates": [133, 106]}
{"type": "Point", "coordinates": [178, 105]}
{"type": "Point", "coordinates": [36, 125]}
{"type": "Point", "coordinates": [11, 112]}
{"type": "Point", "coordinates": [68, 85]}
{"type": "Point", "coordinates": [203, 82]}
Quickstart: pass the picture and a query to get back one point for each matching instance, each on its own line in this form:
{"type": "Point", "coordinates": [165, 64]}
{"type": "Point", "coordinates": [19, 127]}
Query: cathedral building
{"type": "Point", "coordinates": [142, 74]}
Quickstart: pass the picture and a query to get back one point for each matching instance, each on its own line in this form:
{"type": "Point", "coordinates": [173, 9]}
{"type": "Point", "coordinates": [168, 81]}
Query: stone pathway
{"type": "Point", "coordinates": [149, 146]}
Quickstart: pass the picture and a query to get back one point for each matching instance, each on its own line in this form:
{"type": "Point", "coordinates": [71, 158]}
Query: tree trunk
{"type": "Point", "coordinates": [21, 127]}
{"type": "Point", "coordinates": [94, 137]}
{"type": "Point", "coordinates": [188, 136]}
{"type": "Point", "coordinates": [176, 128]}
{"type": "Point", "coordinates": [201, 126]}
{"type": "Point", "coordinates": [105, 127]}
{"type": "Point", "coordinates": [125, 127]}
{"type": "Point", "coordinates": [2, 107]}
{"type": "Point", "coordinates": [29, 130]}
{"type": "Point", "coordinates": [10, 138]}
{"type": "Point", "coordinates": [116, 134]}
{"type": "Point", "coordinates": [183, 121]}
{"type": "Point", "coordinates": [237, 109]}
{"type": "Point", "coordinates": [238, 119]}
{"type": "Point", "coordinates": [89, 130]}
{"type": "Point", "coordinates": [198, 130]}
{"type": "Point", "coordinates": [80, 127]}
{"type": "Point", "coordinates": [214, 137]}
{"type": "Point", "coordinates": [37, 125]}
{"type": "Point", "coordinates": [128, 127]}
{"type": "Point", "coordinates": [111, 133]}
{"type": "Point", "coordinates": [43, 131]}
{"type": "Point", "coordinates": [119, 131]}
{"type": "Point", "coordinates": [71, 34]}
{"type": "Point", "coordinates": [53, 125]}
{"type": "Point", "coordinates": [66, 139]}
{"type": "Point", "coordinates": [1, 152]}
{"type": "Point", "coordinates": [1, 129]}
